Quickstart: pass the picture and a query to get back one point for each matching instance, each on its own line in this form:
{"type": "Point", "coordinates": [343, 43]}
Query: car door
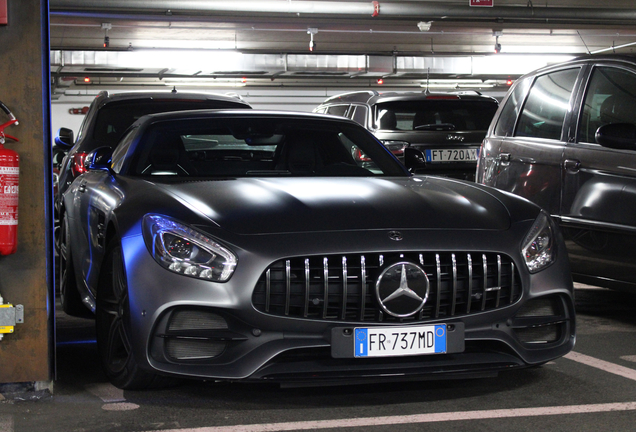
{"type": "Point", "coordinates": [599, 189]}
{"type": "Point", "coordinates": [529, 162]}
{"type": "Point", "coordinates": [489, 164]}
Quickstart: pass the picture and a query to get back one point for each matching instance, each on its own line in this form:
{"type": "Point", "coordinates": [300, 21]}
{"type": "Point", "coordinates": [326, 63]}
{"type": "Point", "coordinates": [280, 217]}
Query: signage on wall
{"type": "Point", "coordinates": [487, 3]}
{"type": "Point", "coordinates": [3, 12]}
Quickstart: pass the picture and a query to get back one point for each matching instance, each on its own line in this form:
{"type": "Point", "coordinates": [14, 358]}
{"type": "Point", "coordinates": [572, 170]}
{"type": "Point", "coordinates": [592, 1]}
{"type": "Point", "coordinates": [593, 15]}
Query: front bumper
{"type": "Point", "coordinates": [186, 327]}
{"type": "Point", "coordinates": [481, 346]}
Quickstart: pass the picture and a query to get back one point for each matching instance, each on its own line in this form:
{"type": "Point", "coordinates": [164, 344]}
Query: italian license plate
{"type": "Point", "coordinates": [400, 341]}
{"type": "Point", "coordinates": [451, 155]}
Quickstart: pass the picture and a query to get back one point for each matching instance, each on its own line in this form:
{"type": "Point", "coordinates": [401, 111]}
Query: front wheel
{"type": "Point", "coordinates": [113, 326]}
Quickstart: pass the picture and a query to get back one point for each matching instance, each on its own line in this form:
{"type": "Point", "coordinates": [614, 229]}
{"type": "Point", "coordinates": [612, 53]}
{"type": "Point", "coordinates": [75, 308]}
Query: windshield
{"type": "Point", "coordinates": [435, 115]}
{"type": "Point", "coordinates": [114, 118]}
{"type": "Point", "coordinates": [260, 146]}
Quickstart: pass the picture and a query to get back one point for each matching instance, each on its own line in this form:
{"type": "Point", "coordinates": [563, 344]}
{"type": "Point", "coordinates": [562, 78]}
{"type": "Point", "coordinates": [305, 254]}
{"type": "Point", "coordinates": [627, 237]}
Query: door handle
{"type": "Point", "coordinates": [572, 165]}
{"type": "Point", "coordinates": [504, 158]}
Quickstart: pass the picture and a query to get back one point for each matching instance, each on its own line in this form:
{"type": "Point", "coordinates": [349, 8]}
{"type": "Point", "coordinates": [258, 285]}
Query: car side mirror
{"type": "Point", "coordinates": [617, 136]}
{"type": "Point", "coordinates": [64, 138]}
{"type": "Point", "coordinates": [99, 160]}
{"type": "Point", "coordinates": [414, 159]}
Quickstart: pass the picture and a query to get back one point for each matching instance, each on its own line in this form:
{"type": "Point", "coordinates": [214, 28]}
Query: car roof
{"type": "Point", "coordinates": [373, 97]}
{"type": "Point", "coordinates": [207, 113]}
{"type": "Point", "coordinates": [107, 97]}
{"type": "Point", "coordinates": [592, 58]}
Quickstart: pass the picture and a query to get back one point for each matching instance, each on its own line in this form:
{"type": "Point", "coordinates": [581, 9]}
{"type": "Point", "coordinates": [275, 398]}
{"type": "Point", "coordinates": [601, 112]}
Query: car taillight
{"type": "Point", "coordinates": [77, 166]}
{"type": "Point", "coordinates": [359, 156]}
{"type": "Point", "coordinates": [396, 147]}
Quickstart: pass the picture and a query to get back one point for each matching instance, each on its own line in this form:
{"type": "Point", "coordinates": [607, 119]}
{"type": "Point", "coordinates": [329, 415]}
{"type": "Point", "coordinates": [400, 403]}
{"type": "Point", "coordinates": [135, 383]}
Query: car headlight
{"type": "Point", "coordinates": [183, 250]}
{"type": "Point", "coordinates": [538, 246]}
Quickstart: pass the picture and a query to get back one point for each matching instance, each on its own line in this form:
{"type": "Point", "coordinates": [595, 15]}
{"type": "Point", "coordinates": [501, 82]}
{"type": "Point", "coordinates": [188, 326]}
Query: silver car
{"type": "Point", "coordinates": [246, 245]}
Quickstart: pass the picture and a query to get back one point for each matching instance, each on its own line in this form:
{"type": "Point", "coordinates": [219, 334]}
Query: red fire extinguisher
{"type": "Point", "coordinates": [9, 184]}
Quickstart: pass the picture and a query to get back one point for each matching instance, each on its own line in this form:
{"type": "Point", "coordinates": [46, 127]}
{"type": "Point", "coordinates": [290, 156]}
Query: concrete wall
{"type": "Point", "coordinates": [26, 277]}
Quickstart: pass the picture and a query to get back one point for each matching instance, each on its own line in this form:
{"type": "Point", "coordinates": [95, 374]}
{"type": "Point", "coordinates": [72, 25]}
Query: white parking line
{"type": "Point", "coordinates": [6, 423]}
{"type": "Point", "coordinates": [602, 364]}
{"type": "Point", "coordinates": [417, 418]}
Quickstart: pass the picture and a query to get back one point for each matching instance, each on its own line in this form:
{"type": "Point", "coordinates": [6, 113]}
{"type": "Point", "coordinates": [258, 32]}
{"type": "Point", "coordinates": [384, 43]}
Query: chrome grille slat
{"type": "Point", "coordinates": [343, 314]}
{"type": "Point", "coordinates": [363, 285]}
{"type": "Point", "coordinates": [307, 282]}
{"type": "Point", "coordinates": [438, 268]}
{"type": "Point", "coordinates": [325, 277]}
{"type": "Point", "coordinates": [470, 283]}
{"type": "Point", "coordinates": [454, 293]}
{"type": "Point", "coordinates": [498, 281]}
{"type": "Point", "coordinates": [287, 285]}
{"type": "Point", "coordinates": [484, 261]}
{"type": "Point", "coordinates": [342, 287]}
{"type": "Point", "coordinates": [513, 273]}
{"type": "Point", "coordinates": [268, 289]}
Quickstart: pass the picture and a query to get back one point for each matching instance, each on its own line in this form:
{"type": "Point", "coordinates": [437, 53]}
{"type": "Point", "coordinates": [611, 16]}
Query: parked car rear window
{"type": "Point", "coordinates": [464, 115]}
{"type": "Point", "coordinates": [610, 98]}
{"type": "Point", "coordinates": [547, 105]}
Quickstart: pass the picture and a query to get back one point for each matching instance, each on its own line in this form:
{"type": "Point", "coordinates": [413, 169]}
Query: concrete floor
{"type": "Point", "coordinates": [591, 389]}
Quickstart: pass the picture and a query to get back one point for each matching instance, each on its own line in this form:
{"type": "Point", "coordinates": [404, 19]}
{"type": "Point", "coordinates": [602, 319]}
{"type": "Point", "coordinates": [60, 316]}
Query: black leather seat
{"type": "Point", "coordinates": [169, 157]}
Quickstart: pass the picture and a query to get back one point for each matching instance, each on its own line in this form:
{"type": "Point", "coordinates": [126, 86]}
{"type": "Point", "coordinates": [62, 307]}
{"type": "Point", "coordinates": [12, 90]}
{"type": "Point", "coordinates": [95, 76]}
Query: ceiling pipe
{"type": "Point", "coordinates": [345, 9]}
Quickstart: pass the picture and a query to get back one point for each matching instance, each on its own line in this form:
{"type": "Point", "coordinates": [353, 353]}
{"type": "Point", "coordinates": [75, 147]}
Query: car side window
{"type": "Point", "coordinates": [510, 111]}
{"type": "Point", "coordinates": [610, 98]}
{"type": "Point", "coordinates": [338, 110]}
{"type": "Point", "coordinates": [547, 104]}
{"type": "Point", "coordinates": [84, 124]}
{"type": "Point", "coordinates": [360, 114]}
{"type": "Point", "coordinates": [122, 149]}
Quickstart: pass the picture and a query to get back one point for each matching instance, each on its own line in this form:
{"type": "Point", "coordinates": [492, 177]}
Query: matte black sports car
{"type": "Point", "coordinates": [244, 245]}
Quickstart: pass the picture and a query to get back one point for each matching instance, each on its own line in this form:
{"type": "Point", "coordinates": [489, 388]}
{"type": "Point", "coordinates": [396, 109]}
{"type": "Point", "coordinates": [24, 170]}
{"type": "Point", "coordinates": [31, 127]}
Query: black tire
{"type": "Point", "coordinates": [112, 326]}
{"type": "Point", "coordinates": [69, 295]}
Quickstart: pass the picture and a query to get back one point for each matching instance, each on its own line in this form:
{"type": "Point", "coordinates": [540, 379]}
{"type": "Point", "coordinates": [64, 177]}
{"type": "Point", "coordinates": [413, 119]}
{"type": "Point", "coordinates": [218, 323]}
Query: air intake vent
{"type": "Point", "coordinates": [342, 287]}
{"type": "Point", "coordinates": [193, 349]}
{"type": "Point", "coordinates": [184, 320]}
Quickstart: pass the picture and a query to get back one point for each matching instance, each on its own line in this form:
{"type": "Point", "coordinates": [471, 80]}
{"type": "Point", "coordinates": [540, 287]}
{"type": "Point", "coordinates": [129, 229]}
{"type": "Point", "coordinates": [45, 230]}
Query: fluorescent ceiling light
{"type": "Point", "coordinates": [201, 59]}
{"type": "Point", "coordinates": [184, 44]}
{"type": "Point", "coordinates": [204, 83]}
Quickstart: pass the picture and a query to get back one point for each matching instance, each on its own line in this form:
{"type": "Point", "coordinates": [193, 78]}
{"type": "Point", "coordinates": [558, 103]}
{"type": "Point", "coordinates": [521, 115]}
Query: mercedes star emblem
{"type": "Point", "coordinates": [402, 289]}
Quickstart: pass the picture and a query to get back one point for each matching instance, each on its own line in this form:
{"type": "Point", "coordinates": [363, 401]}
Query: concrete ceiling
{"type": "Point", "coordinates": [266, 43]}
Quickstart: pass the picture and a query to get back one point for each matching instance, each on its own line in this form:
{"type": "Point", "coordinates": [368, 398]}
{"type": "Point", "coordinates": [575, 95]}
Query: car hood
{"type": "Point", "coordinates": [284, 205]}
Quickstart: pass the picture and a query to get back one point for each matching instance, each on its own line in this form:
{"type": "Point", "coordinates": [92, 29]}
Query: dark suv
{"type": "Point", "coordinates": [565, 138]}
{"type": "Point", "coordinates": [109, 115]}
{"type": "Point", "coordinates": [443, 130]}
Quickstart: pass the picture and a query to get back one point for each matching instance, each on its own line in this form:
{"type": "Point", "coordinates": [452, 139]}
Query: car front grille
{"type": "Point", "coordinates": [342, 287]}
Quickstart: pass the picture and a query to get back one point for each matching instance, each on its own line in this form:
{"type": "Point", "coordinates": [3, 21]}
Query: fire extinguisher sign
{"type": "Point", "coordinates": [9, 188]}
